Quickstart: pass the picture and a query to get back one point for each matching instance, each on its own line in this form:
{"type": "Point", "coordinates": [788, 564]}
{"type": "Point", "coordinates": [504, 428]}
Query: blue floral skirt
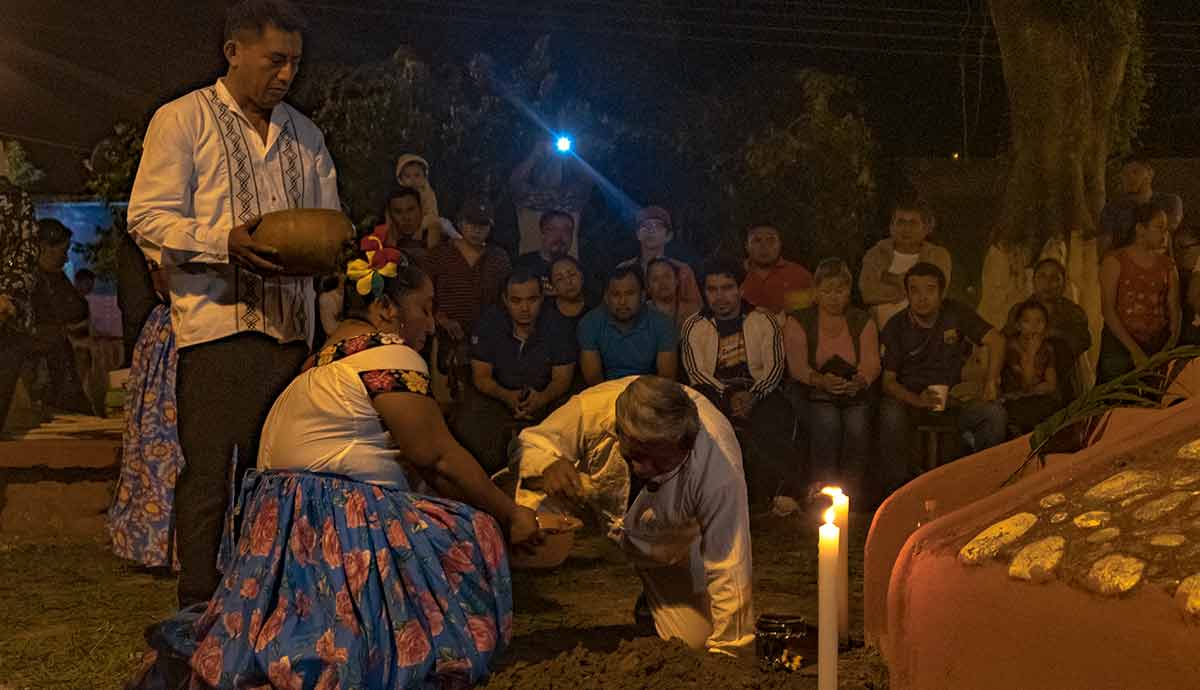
{"type": "Point", "coordinates": [335, 583]}
{"type": "Point", "coordinates": [140, 519]}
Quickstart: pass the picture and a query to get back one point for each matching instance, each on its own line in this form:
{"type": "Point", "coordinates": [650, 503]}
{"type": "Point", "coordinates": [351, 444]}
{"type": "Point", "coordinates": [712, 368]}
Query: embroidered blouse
{"type": "Point", "coordinates": [203, 171]}
{"type": "Point", "coordinates": [325, 420]}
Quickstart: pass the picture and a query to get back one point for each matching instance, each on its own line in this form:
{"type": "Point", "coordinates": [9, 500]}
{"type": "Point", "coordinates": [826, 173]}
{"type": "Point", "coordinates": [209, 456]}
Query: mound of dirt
{"type": "Point", "coordinates": [652, 663]}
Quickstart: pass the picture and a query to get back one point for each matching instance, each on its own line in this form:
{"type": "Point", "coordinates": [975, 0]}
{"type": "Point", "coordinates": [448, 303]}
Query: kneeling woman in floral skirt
{"type": "Point", "coordinates": [345, 576]}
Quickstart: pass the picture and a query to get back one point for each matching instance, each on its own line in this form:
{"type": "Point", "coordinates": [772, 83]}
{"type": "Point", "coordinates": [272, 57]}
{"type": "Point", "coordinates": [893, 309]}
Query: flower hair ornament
{"type": "Point", "coordinates": [381, 262]}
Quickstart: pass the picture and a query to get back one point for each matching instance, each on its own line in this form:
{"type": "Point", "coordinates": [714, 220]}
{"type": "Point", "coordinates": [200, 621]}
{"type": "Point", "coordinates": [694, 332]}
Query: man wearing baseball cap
{"type": "Point", "coordinates": [654, 231]}
{"type": "Point", "coordinates": [467, 275]}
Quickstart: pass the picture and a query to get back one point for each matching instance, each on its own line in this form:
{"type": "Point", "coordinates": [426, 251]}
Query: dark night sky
{"type": "Point", "coordinates": [69, 69]}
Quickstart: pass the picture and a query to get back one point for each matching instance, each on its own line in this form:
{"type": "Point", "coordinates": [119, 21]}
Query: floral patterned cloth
{"type": "Point", "coordinates": [140, 518]}
{"type": "Point", "coordinates": [338, 583]}
{"type": "Point", "coordinates": [341, 584]}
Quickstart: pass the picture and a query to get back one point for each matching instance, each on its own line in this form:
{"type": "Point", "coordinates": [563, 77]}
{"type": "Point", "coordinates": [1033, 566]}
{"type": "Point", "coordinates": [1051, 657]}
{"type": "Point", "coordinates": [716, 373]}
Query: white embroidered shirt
{"type": "Point", "coordinates": [203, 171]}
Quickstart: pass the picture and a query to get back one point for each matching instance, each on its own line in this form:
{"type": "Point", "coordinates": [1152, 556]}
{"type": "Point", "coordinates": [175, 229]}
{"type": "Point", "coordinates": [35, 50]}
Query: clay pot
{"type": "Point", "coordinates": [558, 532]}
{"type": "Point", "coordinates": [310, 241]}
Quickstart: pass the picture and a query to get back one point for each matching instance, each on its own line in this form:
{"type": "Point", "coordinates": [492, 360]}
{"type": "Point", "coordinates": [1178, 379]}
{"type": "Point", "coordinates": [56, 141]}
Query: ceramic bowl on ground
{"type": "Point", "coordinates": [310, 241]}
{"type": "Point", "coordinates": [558, 536]}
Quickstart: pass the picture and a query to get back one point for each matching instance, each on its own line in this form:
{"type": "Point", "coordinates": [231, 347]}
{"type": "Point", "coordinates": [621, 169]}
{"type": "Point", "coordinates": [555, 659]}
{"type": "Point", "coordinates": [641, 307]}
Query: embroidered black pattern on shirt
{"type": "Point", "coordinates": [291, 166]}
{"type": "Point", "coordinates": [243, 194]}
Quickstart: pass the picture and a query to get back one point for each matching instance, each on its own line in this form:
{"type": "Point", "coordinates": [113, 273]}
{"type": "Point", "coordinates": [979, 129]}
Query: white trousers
{"type": "Point", "coordinates": [678, 600]}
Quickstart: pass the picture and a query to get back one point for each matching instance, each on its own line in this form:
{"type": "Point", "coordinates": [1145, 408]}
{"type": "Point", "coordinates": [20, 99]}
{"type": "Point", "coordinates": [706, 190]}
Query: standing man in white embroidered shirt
{"type": "Point", "coordinates": [661, 465]}
{"type": "Point", "coordinates": [213, 163]}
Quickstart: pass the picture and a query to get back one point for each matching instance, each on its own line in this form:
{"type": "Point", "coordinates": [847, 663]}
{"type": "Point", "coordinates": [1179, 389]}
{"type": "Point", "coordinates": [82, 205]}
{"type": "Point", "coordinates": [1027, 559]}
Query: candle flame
{"type": "Point", "coordinates": [829, 516]}
{"type": "Point", "coordinates": [832, 491]}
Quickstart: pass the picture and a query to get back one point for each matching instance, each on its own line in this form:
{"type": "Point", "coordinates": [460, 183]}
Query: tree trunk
{"type": "Point", "coordinates": [1061, 89]}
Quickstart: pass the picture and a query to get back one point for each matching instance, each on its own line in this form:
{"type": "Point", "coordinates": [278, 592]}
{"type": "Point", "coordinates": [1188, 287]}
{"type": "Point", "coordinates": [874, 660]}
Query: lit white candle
{"type": "Point", "coordinates": [841, 518]}
{"type": "Point", "coordinates": [827, 613]}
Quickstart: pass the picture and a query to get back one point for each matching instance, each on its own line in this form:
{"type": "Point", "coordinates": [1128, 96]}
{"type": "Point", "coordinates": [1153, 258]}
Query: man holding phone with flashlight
{"type": "Point", "coordinates": [549, 179]}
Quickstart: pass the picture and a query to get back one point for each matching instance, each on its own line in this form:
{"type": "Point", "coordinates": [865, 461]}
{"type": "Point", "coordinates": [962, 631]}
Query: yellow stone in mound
{"type": "Point", "coordinates": [1052, 500]}
{"type": "Point", "coordinates": [1190, 452]}
{"type": "Point", "coordinates": [1167, 540]}
{"type": "Point", "coordinates": [1092, 518]}
{"type": "Point", "coordinates": [1059, 517]}
{"type": "Point", "coordinates": [1161, 506]}
{"type": "Point", "coordinates": [988, 543]}
{"type": "Point", "coordinates": [1185, 480]}
{"type": "Point", "coordinates": [1104, 535]}
{"type": "Point", "coordinates": [1037, 561]}
{"type": "Point", "coordinates": [1115, 574]}
{"type": "Point", "coordinates": [1188, 595]}
{"type": "Point", "coordinates": [1133, 499]}
{"type": "Point", "coordinates": [1123, 484]}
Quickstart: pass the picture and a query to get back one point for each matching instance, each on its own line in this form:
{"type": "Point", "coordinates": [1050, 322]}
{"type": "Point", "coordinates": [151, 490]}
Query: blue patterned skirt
{"type": "Point", "coordinates": [140, 519]}
{"type": "Point", "coordinates": [337, 583]}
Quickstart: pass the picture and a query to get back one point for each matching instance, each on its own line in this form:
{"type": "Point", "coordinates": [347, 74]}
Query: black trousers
{"type": "Point", "coordinates": [13, 351]}
{"type": "Point", "coordinates": [63, 387]}
{"type": "Point", "coordinates": [770, 460]}
{"type": "Point", "coordinates": [485, 426]}
{"type": "Point", "coordinates": [224, 390]}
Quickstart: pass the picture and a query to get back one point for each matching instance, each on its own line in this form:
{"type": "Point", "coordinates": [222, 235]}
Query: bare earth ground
{"type": "Point", "coordinates": [73, 617]}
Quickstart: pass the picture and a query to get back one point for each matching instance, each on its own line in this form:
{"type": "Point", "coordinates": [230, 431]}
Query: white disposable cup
{"type": "Point", "coordinates": [943, 395]}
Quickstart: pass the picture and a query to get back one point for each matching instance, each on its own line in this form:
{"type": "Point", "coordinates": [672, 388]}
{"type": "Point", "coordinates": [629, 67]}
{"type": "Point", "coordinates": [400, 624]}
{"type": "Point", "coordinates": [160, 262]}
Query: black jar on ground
{"type": "Point", "coordinates": [780, 641]}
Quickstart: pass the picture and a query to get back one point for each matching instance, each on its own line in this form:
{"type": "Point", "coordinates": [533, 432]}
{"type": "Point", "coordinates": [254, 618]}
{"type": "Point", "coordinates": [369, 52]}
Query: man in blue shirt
{"type": "Point", "coordinates": [522, 363]}
{"type": "Point", "coordinates": [622, 337]}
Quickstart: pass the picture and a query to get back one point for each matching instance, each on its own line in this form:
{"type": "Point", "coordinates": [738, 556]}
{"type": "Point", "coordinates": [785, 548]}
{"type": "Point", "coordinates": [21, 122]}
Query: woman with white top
{"type": "Point", "coordinates": [342, 572]}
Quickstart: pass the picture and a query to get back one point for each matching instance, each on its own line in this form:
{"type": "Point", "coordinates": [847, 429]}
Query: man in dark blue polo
{"type": "Point", "coordinates": [522, 362]}
{"type": "Point", "coordinates": [622, 337]}
{"type": "Point", "coordinates": [925, 347]}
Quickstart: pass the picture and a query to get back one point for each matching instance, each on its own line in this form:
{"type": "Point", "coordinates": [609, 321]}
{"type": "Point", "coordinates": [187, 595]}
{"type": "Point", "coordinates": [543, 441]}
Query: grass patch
{"type": "Point", "coordinates": [74, 615]}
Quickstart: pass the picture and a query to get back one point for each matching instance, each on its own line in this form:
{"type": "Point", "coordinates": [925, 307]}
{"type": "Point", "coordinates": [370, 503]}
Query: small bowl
{"type": "Point", "coordinates": [558, 536]}
{"type": "Point", "coordinates": [310, 241]}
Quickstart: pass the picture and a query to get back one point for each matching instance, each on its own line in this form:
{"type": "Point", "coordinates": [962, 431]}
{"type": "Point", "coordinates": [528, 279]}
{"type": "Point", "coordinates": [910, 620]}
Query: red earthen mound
{"type": "Point", "coordinates": [1083, 575]}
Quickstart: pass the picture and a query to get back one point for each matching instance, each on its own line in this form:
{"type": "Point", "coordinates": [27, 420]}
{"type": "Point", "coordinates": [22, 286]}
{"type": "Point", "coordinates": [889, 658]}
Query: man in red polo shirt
{"type": "Point", "coordinates": [772, 282]}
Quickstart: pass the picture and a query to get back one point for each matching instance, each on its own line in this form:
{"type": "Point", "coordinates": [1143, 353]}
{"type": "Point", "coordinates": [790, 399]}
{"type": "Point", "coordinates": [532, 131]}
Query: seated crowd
{"type": "Point", "coordinates": [813, 382]}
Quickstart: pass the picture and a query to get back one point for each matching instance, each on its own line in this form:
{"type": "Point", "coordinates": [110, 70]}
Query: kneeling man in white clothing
{"type": "Point", "coordinates": [660, 465]}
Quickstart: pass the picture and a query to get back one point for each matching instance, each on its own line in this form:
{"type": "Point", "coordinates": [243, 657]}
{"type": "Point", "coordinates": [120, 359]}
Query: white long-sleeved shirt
{"type": "Point", "coordinates": [203, 171]}
{"type": "Point", "coordinates": [705, 502]}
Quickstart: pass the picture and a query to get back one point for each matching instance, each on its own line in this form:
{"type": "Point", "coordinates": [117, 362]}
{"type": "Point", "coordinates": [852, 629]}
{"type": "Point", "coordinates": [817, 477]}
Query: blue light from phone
{"type": "Point", "coordinates": [563, 144]}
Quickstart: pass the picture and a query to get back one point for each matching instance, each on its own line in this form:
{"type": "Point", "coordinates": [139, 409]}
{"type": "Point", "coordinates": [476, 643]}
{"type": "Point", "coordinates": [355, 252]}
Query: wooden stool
{"type": "Point", "coordinates": [931, 429]}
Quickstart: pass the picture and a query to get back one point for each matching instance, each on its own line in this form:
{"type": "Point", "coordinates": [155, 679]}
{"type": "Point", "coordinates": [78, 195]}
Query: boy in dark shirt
{"type": "Point", "coordinates": [60, 311]}
{"type": "Point", "coordinates": [924, 349]}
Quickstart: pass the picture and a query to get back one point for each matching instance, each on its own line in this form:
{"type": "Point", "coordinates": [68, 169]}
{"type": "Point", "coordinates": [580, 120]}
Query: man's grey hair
{"type": "Point", "coordinates": [653, 409]}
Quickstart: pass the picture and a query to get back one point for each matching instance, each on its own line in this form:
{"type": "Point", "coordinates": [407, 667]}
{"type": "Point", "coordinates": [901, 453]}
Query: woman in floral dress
{"type": "Point", "coordinates": [343, 575]}
{"type": "Point", "coordinates": [140, 519]}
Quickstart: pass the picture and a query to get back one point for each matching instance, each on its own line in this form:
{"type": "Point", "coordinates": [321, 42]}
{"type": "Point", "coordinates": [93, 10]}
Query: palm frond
{"type": "Point", "coordinates": [1142, 387]}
